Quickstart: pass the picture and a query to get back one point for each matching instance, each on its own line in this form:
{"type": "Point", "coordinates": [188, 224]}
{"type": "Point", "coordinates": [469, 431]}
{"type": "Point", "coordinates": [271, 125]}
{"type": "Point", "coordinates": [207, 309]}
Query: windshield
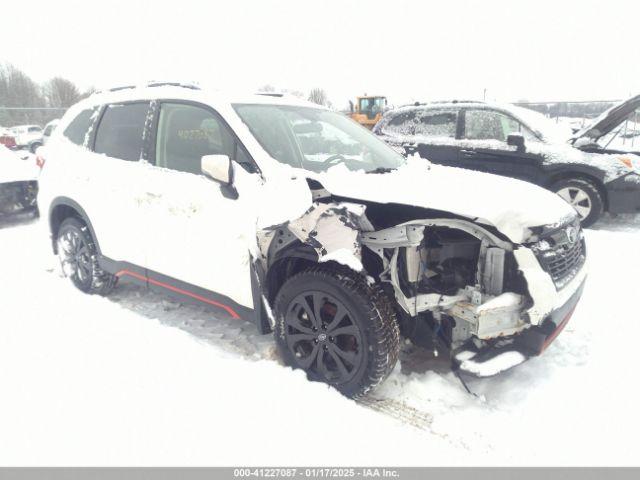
{"type": "Point", "coordinates": [316, 139]}
{"type": "Point", "coordinates": [372, 104]}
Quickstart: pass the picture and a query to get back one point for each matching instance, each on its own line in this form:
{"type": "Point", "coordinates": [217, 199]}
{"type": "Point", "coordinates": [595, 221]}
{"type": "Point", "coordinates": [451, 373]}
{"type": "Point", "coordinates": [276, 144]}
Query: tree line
{"type": "Point", "coordinates": [24, 101]}
{"type": "Point", "coordinates": [316, 95]}
{"type": "Point", "coordinates": [569, 109]}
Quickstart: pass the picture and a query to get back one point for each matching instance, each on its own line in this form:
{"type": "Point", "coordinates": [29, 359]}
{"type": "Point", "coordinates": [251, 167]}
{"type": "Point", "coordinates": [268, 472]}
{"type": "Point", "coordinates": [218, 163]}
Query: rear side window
{"type": "Point", "coordinates": [403, 123]}
{"type": "Point", "coordinates": [426, 123]}
{"type": "Point", "coordinates": [34, 129]}
{"type": "Point", "coordinates": [436, 124]}
{"type": "Point", "coordinates": [120, 131]}
{"type": "Point", "coordinates": [77, 130]}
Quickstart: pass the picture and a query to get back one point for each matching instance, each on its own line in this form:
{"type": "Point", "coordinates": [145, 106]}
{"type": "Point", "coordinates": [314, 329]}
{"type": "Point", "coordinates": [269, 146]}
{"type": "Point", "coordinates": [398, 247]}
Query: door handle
{"type": "Point", "coordinates": [468, 153]}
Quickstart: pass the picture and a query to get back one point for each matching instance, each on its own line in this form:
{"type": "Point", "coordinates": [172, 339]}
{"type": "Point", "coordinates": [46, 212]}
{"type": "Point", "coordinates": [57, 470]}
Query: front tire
{"type": "Point", "coordinates": [583, 196]}
{"type": "Point", "coordinates": [342, 331]}
{"type": "Point", "coordinates": [79, 258]}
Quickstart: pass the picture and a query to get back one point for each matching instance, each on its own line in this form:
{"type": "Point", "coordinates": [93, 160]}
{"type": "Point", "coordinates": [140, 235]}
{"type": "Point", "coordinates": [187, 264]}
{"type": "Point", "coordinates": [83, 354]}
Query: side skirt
{"type": "Point", "coordinates": [177, 289]}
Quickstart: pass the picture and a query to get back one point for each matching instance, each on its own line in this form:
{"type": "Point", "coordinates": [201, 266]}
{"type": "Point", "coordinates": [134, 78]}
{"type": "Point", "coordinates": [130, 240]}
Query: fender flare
{"type": "Point", "coordinates": [72, 204]}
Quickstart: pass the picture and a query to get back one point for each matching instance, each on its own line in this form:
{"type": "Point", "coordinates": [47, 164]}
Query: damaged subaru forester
{"type": "Point", "coordinates": [289, 215]}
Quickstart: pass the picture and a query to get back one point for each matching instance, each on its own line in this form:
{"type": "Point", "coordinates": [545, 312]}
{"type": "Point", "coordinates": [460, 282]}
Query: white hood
{"type": "Point", "coordinates": [512, 206]}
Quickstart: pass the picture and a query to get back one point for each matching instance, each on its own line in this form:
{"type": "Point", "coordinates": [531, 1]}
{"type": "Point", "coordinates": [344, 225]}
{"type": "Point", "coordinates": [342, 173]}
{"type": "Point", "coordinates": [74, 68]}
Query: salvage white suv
{"type": "Point", "coordinates": [277, 211]}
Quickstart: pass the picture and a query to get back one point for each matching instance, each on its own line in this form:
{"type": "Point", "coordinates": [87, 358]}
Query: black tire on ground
{"type": "Point", "coordinates": [79, 258]}
{"type": "Point", "coordinates": [34, 146]}
{"type": "Point", "coordinates": [584, 197]}
{"type": "Point", "coordinates": [342, 331]}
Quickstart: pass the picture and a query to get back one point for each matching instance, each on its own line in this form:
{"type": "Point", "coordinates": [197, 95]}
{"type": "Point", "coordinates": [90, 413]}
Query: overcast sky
{"type": "Point", "coordinates": [407, 50]}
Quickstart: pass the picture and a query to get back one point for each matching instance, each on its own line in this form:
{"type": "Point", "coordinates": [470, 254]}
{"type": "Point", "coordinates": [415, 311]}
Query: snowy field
{"type": "Point", "coordinates": [135, 379]}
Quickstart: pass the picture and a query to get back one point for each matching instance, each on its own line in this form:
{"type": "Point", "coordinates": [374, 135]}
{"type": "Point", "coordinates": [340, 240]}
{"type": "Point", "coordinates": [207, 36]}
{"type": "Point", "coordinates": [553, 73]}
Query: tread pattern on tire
{"type": "Point", "coordinates": [383, 334]}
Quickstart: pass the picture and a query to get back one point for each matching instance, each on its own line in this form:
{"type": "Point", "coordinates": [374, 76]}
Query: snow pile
{"type": "Point", "coordinates": [94, 381]}
{"type": "Point", "coordinates": [15, 169]}
{"type": "Point", "coordinates": [87, 381]}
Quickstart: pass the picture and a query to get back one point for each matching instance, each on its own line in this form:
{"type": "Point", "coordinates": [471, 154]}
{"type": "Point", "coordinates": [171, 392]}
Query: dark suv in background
{"type": "Point", "coordinates": [596, 169]}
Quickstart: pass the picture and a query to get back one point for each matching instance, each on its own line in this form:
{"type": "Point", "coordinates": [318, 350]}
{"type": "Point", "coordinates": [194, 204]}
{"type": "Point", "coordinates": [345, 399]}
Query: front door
{"type": "Point", "coordinates": [484, 148]}
{"type": "Point", "coordinates": [198, 235]}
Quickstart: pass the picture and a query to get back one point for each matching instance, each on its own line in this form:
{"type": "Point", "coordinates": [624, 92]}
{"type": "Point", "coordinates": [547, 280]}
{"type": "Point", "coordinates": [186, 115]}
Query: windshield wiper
{"type": "Point", "coordinates": [381, 170]}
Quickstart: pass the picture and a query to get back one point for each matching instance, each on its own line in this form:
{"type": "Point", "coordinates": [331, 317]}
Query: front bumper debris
{"type": "Point", "coordinates": [509, 352]}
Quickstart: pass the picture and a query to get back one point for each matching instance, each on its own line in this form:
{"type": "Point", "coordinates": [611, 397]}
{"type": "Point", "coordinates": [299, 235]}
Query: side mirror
{"type": "Point", "coordinates": [516, 140]}
{"type": "Point", "coordinates": [220, 169]}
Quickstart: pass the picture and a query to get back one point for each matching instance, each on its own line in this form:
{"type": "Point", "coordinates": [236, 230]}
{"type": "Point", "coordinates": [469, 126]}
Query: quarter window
{"type": "Point", "coordinates": [120, 131]}
{"type": "Point", "coordinates": [77, 130]}
{"type": "Point", "coordinates": [186, 133]}
{"type": "Point", "coordinates": [426, 123]}
{"type": "Point", "coordinates": [403, 123]}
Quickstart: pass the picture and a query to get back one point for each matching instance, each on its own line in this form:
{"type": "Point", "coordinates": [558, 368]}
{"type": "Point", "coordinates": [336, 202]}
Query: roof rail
{"type": "Point", "coordinates": [270, 94]}
{"type": "Point", "coordinates": [153, 83]}
{"type": "Point", "coordinates": [191, 86]}
{"type": "Point", "coordinates": [115, 89]}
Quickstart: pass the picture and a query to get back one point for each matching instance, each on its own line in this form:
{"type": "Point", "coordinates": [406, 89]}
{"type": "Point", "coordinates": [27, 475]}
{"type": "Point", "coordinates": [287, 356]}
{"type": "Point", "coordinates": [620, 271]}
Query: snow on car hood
{"type": "Point", "coordinates": [14, 169]}
{"type": "Point", "coordinates": [512, 206]}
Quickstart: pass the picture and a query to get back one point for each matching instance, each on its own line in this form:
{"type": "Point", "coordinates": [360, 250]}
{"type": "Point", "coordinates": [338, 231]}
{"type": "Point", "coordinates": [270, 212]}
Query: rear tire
{"type": "Point", "coordinates": [342, 331]}
{"type": "Point", "coordinates": [582, 195]}
{"type": "Point", "coordinates": [79, 258]}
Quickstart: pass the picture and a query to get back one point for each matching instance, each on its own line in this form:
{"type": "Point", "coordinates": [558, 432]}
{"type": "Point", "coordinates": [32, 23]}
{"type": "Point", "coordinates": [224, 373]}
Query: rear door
{"type": "Point", "coordinates": [483, 146]}
{"type": "Point", "coordinates": [435, 134]}
{"type": "Point", "coordinates": [114, 175]}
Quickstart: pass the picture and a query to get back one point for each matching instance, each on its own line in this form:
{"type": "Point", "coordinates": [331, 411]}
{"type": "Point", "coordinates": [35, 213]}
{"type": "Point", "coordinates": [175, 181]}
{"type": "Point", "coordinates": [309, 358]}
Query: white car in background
{"type": "Point", "coordinates": [28, 136]}
{"type": "Point", "coordinates": [48, 130]}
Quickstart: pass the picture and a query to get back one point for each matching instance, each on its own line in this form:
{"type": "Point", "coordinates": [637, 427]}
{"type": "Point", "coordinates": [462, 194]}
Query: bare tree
{"type": "Point", "coordinates": [319, 96]}
{"type": "Point", "coordinates": [295, 93]}
{"type": "Point", "coordinates": [17, 90]}
{"type": "Point", "coordinates": [267, 88]}
{"type": "Point", "coordinates": [61, 93]}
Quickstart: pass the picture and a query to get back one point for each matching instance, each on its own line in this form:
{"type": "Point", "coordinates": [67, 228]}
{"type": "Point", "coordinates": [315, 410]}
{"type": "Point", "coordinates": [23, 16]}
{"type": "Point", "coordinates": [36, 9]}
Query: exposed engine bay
{"type": "Point", "coordinates": [18, 197]}
{"type": "Point", "coordinates": [450, 278]}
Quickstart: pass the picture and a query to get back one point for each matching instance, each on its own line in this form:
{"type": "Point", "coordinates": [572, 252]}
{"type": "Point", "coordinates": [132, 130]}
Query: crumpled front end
{"type": "Point", "coordinates": [490, 302]}
{"type": "Point", "coordinates": [459, 286]}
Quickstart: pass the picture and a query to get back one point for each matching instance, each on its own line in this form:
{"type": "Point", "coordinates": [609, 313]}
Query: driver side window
{"type": "Point", "coordinates": [186, 133]}
{"type": "Point", "coordinates": [492, 125]}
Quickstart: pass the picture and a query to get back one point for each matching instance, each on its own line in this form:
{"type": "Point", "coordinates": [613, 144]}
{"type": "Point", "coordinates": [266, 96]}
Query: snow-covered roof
{"type": "Point", "coordinates": [189, 92]}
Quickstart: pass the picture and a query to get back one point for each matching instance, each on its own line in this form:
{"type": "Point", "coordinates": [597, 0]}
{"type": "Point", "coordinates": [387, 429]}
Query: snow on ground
{"type": "Point", "coordinates": [136, 379]}
{"type": "Point", "coordinates": [17, 166]}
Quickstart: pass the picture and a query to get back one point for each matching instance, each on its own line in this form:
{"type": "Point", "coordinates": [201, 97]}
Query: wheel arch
{"type": "Point", "coordinates": [62, 208]}
{"type": "Point", "coordinates": [582, 175]}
